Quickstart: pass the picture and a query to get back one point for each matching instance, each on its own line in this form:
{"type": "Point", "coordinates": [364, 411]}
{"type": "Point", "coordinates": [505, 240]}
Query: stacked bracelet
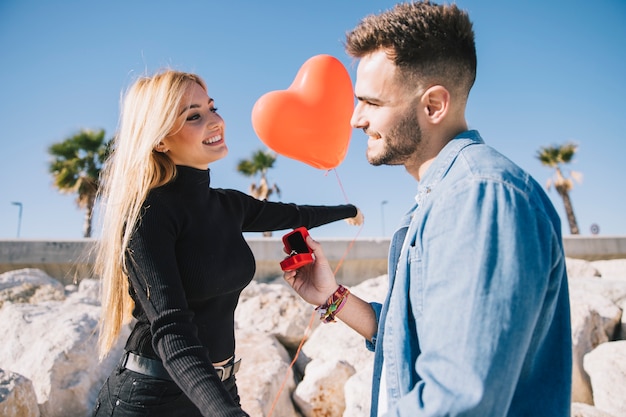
{"type": "Point", "coordinates": [333, 305]}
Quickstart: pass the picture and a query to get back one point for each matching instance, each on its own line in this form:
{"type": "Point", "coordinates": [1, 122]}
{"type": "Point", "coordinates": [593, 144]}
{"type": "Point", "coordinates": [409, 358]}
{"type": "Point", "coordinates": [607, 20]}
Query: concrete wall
{"type": "Point", "coordinates": [595, 248]}
{"type": "Point", "coordinates": [65, 260]}
{"type": "Point", "coordinates": [70, 260]}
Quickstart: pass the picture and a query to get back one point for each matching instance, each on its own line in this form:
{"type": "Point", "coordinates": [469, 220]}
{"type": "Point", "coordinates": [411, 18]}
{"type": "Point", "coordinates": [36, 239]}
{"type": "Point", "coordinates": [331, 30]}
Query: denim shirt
{"type": "Point", "coordinates": [476, 321]}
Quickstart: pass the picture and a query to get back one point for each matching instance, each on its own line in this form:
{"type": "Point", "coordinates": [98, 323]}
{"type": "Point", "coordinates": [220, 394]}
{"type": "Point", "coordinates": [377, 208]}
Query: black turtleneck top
{"type": "Point", "coordinates": [188, 264]}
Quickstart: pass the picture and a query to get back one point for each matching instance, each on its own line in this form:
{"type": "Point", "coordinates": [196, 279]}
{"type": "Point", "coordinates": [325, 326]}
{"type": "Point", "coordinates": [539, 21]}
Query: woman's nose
{"type": "Point", "coordinates": [215, 120]}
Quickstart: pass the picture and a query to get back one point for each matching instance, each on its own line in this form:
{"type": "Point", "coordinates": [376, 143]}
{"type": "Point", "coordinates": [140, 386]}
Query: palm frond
{"type": "Point", "coordinates": [76, 163]}
{"type": "Point", "coordinates": [577, 176]}
{"type": "Point", "coordinates": [555, 157]}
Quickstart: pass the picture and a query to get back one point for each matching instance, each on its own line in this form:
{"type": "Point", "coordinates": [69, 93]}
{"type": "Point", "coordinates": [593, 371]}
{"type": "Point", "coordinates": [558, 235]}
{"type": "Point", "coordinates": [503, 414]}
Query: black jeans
{"type": "Point", "coordinates": [129, 394]}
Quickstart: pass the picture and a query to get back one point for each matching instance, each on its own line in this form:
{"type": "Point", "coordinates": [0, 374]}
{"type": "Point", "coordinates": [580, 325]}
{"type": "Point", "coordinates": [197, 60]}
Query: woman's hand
{"type": "Point", "coordinates": [314, 282]}
{"type": "Point", "coordinates": [356, 220]}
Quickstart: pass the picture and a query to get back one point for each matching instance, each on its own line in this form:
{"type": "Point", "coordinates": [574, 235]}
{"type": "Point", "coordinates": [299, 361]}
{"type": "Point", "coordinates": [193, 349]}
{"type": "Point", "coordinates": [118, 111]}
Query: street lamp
{"type": "Point", "coordinates": [19, 216]}
{"type": "Point", "coordinates": [382, 215]}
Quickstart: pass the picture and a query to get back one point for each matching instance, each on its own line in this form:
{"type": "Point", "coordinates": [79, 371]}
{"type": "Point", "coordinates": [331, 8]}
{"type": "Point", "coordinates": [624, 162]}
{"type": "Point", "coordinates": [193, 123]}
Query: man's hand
{"type": "Point", "coordinates": [314, 282]}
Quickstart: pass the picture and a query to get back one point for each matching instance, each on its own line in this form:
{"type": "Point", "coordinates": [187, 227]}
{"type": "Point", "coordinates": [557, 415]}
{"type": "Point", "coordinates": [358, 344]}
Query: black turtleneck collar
{"type": "Point", "coordinates": [193, 176]}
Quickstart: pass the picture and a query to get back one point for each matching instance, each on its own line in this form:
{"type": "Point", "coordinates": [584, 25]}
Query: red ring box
{"type": "Point", "coordinates": [295, 245]}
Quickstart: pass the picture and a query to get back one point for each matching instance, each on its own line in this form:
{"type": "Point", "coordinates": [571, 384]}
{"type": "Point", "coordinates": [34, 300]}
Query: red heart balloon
{"type": "Point", "coordinates": [310, 121]}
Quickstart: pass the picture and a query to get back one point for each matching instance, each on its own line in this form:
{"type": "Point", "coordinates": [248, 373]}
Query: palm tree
{"type": "Point", "coordinates": [555, 157]}
{"type": "Point", "coordinates": [75, 167]}
{"type": "Point", "coordinates": [259, 163]}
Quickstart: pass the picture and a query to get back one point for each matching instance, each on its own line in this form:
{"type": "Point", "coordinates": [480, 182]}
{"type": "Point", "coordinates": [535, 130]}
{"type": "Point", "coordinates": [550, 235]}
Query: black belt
{"type": "Point", "coordinates": [155, 369]}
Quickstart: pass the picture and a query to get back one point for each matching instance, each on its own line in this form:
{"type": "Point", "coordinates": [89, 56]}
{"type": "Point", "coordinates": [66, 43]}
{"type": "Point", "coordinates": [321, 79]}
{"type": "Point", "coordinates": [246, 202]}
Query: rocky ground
{"type": "Point", "coordinates": [49, 368]}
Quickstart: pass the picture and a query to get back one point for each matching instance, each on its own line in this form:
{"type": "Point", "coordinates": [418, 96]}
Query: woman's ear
{"type": "Point", "coordinates": [160, 147]}
{"type": "Point", "coordinates": [436, 102]}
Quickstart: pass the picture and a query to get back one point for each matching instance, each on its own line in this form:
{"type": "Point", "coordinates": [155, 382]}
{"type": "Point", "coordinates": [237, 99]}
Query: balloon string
{"type": "Point", "coordinates": [357, 233]}
{"type": "Point", "coordinates": [313, 313]}
{"type": "Point", "coordinates": [345, 196]}
{"type": "Point", "coordinates": [345, 254]}
{"type": "Point", "coordinates": [295, 358]}
{"type": "Point", "coordinates": [307, 331]}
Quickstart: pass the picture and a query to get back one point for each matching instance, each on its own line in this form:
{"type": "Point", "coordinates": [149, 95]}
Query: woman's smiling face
{"type": "Point", "coordinates": [198, 136]}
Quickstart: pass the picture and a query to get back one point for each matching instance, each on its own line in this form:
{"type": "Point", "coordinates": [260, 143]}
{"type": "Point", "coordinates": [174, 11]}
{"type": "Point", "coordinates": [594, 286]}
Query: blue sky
{"type": "Point", "coordinates": [548, 72]}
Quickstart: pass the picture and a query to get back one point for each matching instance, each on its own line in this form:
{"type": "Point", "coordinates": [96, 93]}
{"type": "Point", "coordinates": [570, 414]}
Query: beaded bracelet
{"type": "Point", "coordinates": [333, 305]}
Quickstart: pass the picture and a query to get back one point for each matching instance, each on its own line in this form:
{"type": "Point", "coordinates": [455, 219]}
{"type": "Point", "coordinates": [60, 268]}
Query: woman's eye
{"type": "Point", "coordinates": [214, 110]}
{"type": "Point", "coordinates": [195, 116]}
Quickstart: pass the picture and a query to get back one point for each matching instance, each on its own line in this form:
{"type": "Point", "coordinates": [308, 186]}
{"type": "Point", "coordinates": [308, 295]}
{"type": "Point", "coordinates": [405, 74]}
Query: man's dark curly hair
{"type": "Point", "coordinates": [430, 44]}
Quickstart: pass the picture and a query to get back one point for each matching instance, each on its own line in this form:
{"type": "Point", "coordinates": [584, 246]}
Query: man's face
{"type": "Point", "coordinates": [385, 112]}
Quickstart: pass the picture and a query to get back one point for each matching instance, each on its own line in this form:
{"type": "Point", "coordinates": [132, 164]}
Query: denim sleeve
{"type": "Point", "coordinates": [371, 345]}
{"type": "Point", "coordinates": [476, 299]}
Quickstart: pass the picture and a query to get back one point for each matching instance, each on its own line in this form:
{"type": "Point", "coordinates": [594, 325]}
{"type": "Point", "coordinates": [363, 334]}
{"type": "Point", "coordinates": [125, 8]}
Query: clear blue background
{"type": "Point", "coordinates": [548, 72]}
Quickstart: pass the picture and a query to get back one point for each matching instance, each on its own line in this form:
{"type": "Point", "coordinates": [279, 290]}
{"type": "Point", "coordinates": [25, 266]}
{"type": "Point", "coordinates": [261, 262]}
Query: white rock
{"type": "Point", "coordinates": [358, 392]}
{"type": "Point", "coordinates": [621, 334]}
{"type": "Point", "coordinates": [333, 342]}
{"type": "Point", "coordinates": [70, 288]}
{"type": "Point", "coordinates": [321, 394]}
{"type": "Point", "coordinates": [579, 268]}
{"type": "Point", "coordinates": [594, 321]}
{"type": "Point", "coordinates": [54, 345]}
{"type": "Point", "coordinates": [336, 341]}
{"type": "Point", "coordinates": [263, 373]}
{"type": "Point", "coordinates": [88, 292]}
{"type": "Point", "coordinates": [611, 269]}
{"type": "Point", "coordinates": [613, 289]}
{"type": "Point", "coordinates": [586, 410]}
{"type": "Point", "coordinates": [17, 396]}
{"type": "Point", "coordinates": [29, 286]}
{"type": "Point", "coordinates": [606, 366]}
{"type": "Point", "coordinates": [373, 289]}
{"type": "Point", "coordinates": [274, 309]}
{"type": "Point", "coordinates": [27, 276]}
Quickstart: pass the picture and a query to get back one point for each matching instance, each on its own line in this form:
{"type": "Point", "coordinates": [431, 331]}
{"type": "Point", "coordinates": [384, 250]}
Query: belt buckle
{"type": "Point", "coordinates": [220, 372]}
{"type": "Point", "coordinates": [226, 371]}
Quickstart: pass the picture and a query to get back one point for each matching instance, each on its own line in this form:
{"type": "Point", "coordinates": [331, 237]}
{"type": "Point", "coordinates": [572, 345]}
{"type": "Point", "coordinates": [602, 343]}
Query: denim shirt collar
{"type": "Point", "coordinates": [432, 176]}
{"type": "Point", "coordinates": [444, 160]}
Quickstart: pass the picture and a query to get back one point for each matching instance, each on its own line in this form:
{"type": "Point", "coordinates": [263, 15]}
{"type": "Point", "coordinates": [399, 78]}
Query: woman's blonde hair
{"type": "Point", "coordinates": [148, 114]}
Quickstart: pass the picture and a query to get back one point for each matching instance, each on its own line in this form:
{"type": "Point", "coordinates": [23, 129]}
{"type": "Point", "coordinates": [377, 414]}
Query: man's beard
{"type": "Point", "coordinates": [400, 143]}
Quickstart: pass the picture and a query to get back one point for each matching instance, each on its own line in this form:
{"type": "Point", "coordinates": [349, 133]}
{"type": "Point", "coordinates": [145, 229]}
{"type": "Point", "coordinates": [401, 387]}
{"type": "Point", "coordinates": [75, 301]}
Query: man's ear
{"type": "Point", "coordinates": [161, 147]}
{"type": "Point", "coordinates": [436, 103]}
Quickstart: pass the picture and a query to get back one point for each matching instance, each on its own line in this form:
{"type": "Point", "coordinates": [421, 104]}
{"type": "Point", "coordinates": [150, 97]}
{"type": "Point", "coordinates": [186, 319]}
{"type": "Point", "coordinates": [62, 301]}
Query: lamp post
{"type": "Point", "coordinates": [382, 215]}
{"type": "Point", "coordinates": [19, 216]}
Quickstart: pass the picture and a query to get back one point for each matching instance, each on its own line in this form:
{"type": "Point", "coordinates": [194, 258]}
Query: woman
{"type": "Point", "coordinates": [173, 256]}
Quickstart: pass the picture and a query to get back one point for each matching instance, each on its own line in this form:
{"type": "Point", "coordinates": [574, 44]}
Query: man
{"type": "Point", "coordinates": [476, 321]}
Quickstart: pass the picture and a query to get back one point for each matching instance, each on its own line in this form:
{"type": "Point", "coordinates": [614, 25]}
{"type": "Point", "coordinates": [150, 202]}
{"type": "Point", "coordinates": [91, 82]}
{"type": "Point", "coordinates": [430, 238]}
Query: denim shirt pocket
{"type": "Point", "coordinates": [416, 280]}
